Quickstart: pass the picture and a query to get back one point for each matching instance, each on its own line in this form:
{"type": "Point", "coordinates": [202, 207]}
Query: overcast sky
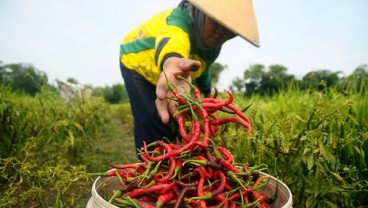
{"type": "Point", "coordinates": [81, 38]}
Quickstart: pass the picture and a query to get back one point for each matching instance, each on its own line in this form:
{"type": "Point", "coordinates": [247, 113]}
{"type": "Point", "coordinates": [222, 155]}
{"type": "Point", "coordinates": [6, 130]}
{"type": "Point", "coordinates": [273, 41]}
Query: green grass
{"type": "Point", "coordinates": [115, 143]}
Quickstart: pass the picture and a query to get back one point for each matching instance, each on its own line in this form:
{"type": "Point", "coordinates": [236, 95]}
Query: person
{"type": "Point", "coordinates": [182, 41]}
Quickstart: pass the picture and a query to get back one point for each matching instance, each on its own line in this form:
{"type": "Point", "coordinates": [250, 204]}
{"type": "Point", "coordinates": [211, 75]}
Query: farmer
{"type": "Point", "coordinates": [179, 42]}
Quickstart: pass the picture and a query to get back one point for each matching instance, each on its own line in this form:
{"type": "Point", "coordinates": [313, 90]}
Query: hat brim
{"type": "Point", "coordinates": [236, 15]}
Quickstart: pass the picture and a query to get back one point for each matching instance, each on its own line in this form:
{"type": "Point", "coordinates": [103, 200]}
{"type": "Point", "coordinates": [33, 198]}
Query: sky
{"type": "Point", "coordinates": [80, 39]}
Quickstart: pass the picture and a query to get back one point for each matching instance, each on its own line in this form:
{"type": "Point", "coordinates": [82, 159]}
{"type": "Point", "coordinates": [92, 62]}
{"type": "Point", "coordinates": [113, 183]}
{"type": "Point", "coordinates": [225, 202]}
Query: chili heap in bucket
{"type": "Point", "coordinates": [194, 171]}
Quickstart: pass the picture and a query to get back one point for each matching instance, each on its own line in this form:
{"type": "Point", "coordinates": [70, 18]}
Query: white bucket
{"type": "Point", "coordinates": [283, 200]}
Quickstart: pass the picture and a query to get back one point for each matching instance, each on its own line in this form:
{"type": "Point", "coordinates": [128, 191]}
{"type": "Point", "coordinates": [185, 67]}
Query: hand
{"type": "Point", "coordinates": [173, 68]}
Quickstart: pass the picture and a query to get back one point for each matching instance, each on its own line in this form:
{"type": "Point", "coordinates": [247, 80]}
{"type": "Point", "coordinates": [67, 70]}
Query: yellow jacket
{"type": "Point", "coordinates": [168, 33]}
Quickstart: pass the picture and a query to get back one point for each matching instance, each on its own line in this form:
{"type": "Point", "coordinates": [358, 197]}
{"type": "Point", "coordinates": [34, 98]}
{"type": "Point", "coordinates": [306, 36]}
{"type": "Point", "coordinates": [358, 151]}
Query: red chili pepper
{"type": "Point", "coordinates": [181, 100]}
{"type": "Point", "coordinates": [129, 187]}
{"type": "Point", "coordinates": [164, 198]}
{"type": "Point", "coordinates": [206, 125]}
{"type": "Point", "coordinates": [205, 163]}
{"type": "Point", "coordinates": [147, 198]}
{"type": "Point", "coordinates": [241, 115]}
{"type": "Point", "coordinates": [207, 174]}
{"type": "Point", "coordinates": [180, 197]}
{"type": "Point", "coordinates": [214, 192]}
{"type": "Point", "coordinates": [177, 151]}
{"type": "Point", "coordinates": [165, 146]}
{"type": "Point", "coordinates": [155, 188]}
{"type": "Point", "coordinates": [235, 120]}
{"type": "Point", "coordinates": [232, 204]}
{"type": "Point", "coordinates": [226, 154]}
{"type": "Point", "coordinates": [178, 167]}
{"type": "Point", "coordinates": [113, 172]}
{"type": "Point", "coordinates": [200, 187]}
{"type": "Point", "coordinates": [213, 129]}
{"type": "Point", "coordinates": [261, 198]}
{"type": "Point", "coordinates": [135, 202]}
{"type": "Point", "coordinates": [222, 185]}
{"type": "Point", "coordinates": [170, 173]}
{"type": "Point", "coordinates": [243, 192]}
{"type": "Point", "coordinates": [215, 104]}
{"type": "Point", "coordinates": [229, 186]}
{"type": "Point", "coordinates": [181, 126]}
{"type": "Point", "coordinates": [125, 166]}
{"type": "Point", "coordinates": [197, 93]}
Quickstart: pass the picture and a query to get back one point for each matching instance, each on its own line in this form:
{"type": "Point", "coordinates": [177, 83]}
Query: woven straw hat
{"type": "Point", "coordinates": [236, 15]}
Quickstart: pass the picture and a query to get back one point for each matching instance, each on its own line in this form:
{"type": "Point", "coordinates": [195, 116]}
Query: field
{"type": "Point", "coordinates": [315, 141]}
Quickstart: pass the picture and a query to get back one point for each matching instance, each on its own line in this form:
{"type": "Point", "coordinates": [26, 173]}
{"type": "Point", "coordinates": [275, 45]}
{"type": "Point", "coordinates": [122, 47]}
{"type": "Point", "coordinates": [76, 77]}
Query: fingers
{"type": "Point", "coordinates": [161, 87]}
{"type": "Point", "coordinates": [188, 65]}
{"type": "Point", "coordinates": [161, 101]}
{"type": "Point", "coordinates": [181, 66]}
{"type": "Point", "coordinates": [163, 110]}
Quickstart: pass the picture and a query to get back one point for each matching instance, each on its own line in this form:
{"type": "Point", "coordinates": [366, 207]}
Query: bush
{"type": "Point", "coordinates": [42, 145]}
{"type": "Point", "coordinates": [115, 94]}
{"type": "Point", "coordinates": [315, 142]}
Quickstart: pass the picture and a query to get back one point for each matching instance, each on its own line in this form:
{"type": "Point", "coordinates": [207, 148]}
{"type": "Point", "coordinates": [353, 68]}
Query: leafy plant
{"type": "Point", "coordinates": [43, 143]}
{"type": "Point", "coordinates": [315, 142]}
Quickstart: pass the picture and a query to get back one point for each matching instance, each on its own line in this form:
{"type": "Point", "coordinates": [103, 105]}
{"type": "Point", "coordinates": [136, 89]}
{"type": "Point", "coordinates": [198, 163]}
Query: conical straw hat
{"type": "Point", "coordinates": [236, 15]}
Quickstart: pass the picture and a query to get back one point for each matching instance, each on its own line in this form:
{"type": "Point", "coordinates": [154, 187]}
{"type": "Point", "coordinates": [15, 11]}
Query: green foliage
{"type": "Point", "coordinates": [315, 142]}
{"type": "Point", "coordinates": [257, 80]}
{"type": "Point", "coordinates": [358, 81]}
{"type": "Point", "coordinates": [48, 118]}
{"type": "Point", "coordinates": [22, 77]}
{"type": "Point", "coordinates": [320, 79]}
{"type": "Point", "coordinates": [126, 116]}
{"type": "Point", "coordinates": [115, 94]}
{"type": "Point", "coordinates": [215, 70]}
{"type": "Point", "coordinates": [43, 143]}
{"type": "Point", "coordinates": [27, 183]}
{"type": "Point", "coordinates": [115, 143]}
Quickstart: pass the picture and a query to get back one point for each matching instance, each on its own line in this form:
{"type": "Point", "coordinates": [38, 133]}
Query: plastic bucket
{"type": "Point", "coordinates": [284, 198]}
{"type": "Point", "coordinates": [106, 186]}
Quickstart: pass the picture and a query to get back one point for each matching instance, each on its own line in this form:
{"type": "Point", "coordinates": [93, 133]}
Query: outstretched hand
{"type": "Point", "coordinates": [173, 68]}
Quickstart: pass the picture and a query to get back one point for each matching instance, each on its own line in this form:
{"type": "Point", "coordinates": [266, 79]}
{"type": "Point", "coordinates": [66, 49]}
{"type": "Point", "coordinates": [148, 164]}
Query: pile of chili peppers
{"type": "Point", "coordinates": [193, 172]}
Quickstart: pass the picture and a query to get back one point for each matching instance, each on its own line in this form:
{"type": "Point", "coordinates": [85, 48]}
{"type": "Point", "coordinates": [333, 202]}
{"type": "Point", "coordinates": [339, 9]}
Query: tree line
{"type": "Point", "coordinates": [27, 79]}
{"type": "Point", "coordinates": [257, 79]}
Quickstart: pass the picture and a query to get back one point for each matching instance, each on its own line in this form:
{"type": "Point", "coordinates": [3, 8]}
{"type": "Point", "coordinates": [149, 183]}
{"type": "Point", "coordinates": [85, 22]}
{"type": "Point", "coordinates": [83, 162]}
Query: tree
{"type": "Point", "coordinates": [258, 80]}
{"type": "Point", "coordinates": [237, 83]}
{"type": "Point", "coordinates": [320, 79]}
{"type": "Point", "coordinates": [253, 77]}
{"type": "Point", "coordinates": [215, 70]}
{"type": "Point", "coordinates": [359, 78]}
{"type": "Point", "coordinates": [275, 79]}
{"type": "Point", "coordinates": [115, 94]}
{"type": "Point", "coordinates": [361, 72]}
{"type": "Point", "coordinates": [254, 73]}
{"type": "Point", "coordinates": [23, 77]}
